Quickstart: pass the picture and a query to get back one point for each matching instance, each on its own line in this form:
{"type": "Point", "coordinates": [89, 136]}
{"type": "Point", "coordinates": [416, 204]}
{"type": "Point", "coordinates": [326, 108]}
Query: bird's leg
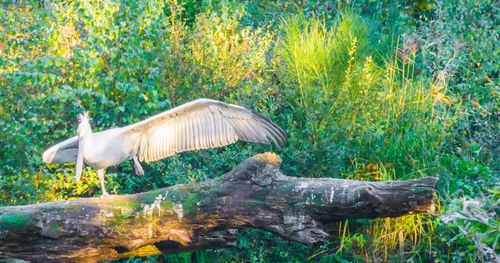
{"type": "Point", "coordinates": [100, 173]}
{"type": "Point", "coordinates": [138, 168]}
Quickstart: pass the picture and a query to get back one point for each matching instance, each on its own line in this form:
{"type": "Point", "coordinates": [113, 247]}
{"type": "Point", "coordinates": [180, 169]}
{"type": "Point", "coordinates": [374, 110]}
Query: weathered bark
{"type": "Point", "coordinates": [255, 194]}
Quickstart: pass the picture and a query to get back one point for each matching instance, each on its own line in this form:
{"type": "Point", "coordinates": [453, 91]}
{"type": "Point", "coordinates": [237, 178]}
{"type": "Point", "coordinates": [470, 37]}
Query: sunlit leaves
{"type": "Point", "coordinates": [439, 96]}
{"type": "Point", "coordinates": [354, 104]}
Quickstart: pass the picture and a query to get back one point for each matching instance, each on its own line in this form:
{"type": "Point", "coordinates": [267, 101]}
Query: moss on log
{"type": "Point", "coordinates": [255, 194]}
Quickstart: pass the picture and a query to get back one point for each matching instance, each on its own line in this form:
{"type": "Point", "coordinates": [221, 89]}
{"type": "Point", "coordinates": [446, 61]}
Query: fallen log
{"type": "Point", "coordinates": [255, 194]}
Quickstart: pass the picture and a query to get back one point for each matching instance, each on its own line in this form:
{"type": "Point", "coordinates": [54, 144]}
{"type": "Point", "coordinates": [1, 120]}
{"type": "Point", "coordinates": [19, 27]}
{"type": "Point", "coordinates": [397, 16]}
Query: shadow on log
{"type": "Point", "coordinates": [255, 194]}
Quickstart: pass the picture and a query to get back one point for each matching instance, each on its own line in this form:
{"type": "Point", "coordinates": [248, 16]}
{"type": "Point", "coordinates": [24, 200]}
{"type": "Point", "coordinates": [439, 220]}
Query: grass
{"type": "Point", "coordinates": [393, 121]}
{"type": "Point", "coordinates": [369, 91]}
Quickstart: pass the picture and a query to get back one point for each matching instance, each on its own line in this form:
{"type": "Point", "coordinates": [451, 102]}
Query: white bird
{"type": "Point", "coordinates": [200, 124]}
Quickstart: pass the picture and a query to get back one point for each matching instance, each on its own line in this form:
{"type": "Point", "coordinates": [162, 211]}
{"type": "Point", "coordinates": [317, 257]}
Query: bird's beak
{"type": "Point", "coordinates": [79, 158]}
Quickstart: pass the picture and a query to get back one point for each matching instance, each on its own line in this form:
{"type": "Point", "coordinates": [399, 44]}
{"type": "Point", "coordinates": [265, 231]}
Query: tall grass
{"type": "Point", "coordinates": [377, 120]}
{"type": "Point", "coordinates": [316, 56]}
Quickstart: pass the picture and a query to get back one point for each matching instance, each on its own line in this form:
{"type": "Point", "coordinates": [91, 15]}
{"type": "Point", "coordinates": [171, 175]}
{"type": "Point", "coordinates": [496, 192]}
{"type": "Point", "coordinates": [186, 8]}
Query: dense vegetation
{"type": "Point", "coordinates": [367, 90]}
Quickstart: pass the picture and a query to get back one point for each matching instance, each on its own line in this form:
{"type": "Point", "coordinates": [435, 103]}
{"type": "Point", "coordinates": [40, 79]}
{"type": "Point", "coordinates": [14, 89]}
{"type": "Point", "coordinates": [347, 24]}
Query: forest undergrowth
{"type": "Point", "coordinates": [365, 90]}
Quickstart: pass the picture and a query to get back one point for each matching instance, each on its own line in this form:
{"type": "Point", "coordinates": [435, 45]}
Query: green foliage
{"type": "Point", "coordinates": [474, 225]}
{"type": "Point", "coordinates": [348, 107]}
{"type": "Point", "coordinates": [365, 90]}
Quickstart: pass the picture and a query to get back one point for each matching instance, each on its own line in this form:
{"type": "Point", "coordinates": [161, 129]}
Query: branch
{"type": "Point", "coordinates": [255, 194]}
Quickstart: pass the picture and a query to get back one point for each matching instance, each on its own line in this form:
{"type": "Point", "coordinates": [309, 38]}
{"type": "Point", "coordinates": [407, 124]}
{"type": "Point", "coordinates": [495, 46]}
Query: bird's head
{"type": "Point", "coordinates": [84, 128]}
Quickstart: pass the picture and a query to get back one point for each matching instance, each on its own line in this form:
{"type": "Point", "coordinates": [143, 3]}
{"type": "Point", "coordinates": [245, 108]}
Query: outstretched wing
{"type": "Point", "coordinates": [200, 124]}
{"type": "Point", "coordinates": [63, 152]}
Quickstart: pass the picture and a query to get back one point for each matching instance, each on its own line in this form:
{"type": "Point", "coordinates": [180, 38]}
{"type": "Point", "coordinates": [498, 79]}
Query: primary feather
{"type": "Point", "coordinates": [200, 124]}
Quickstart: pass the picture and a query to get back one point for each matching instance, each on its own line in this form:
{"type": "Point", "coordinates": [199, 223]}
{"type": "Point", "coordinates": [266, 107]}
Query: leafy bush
{"type": "Point", "coordinates": [102, 57]}
{"type": "Point", "coordinates": [365, 90]}
{"type": "Point", "coordinates": [368, 111]}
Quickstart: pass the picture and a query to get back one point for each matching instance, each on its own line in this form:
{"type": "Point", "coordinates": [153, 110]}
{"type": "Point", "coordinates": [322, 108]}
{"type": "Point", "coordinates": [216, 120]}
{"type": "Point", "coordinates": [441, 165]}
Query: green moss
{"type": "Point", "coordinates": [128, 203]}
{"type": "Point", "coordinates": [18, 221]}
{"type": "Point", "coordinates": [118, 219]}
{"type": "Point", "coordinates": [56, 231]}
{"type": "Point", "coordinates": [175, 196]}
{"type": "Point", "coordinates": [167, 205]}
{"type": "Point", "coordinates": [190, 203]}
{"type": "Point", "coordinates": [151, 197]}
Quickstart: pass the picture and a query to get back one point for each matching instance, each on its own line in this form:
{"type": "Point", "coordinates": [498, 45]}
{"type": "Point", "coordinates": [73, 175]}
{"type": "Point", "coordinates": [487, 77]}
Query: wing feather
{"type": "Point", "coordinates": [63, 152]}
{"type": "Point", "coordinates": [163, 142]}
{"type": "Point", "coordinates": [177, 138]}
{"type": "Point", "coordinates": [218, 123]}
{"type": "Point", "coordinates": [204, 130]}
{"type": "Point", "coordinates": [194, 133]}
{"type": "Point", "coordinates": [200, 124]}
{"type": "Point", "coordinates": [247, 129]}
{"type": "Point", "coordinates": [211, 131]}
{"type": "Point", "coordinates": [237, 131]}
{"type": "Point", "coordinates": [184, 136]}
{"type": "Point", "coordinates": [191, 136]}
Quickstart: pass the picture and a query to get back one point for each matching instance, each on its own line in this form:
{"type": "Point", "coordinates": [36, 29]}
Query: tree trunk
{"type": "Point", "coordinates": [255, 194]}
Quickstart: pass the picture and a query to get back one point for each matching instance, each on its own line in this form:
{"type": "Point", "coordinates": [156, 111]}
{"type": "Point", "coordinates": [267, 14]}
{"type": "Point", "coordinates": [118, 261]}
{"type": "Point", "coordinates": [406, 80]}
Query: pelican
{"type": "Point", "coordinates": [200, 124]}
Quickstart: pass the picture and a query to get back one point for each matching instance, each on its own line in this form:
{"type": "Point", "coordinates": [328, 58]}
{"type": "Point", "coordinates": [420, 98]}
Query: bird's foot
{"type": "Point", "coordinates": [138, 170]}
{"type": "Point", "coordinates": [139, 173]}
{"type": "Point", "coordinates": [105, 195]}
{"type": "Point", "coordinates": [137, 166]}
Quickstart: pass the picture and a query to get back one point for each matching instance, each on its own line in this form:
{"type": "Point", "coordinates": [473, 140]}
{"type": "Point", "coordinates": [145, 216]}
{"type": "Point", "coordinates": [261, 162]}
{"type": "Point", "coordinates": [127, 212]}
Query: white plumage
{"type": "Point", "coordinates": [200, 124]}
